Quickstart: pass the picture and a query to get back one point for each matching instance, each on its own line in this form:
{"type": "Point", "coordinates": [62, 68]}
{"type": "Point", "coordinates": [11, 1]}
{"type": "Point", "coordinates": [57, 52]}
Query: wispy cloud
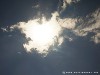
{"type": "Point", "coordinates": [4, 29]}
{"type": "Point", "coordinates": [36, 6]}
{"type": "Point", "coordinates": [64, 3]}
{"type": "Point", "coordinates": [68, 23]}
{"type": "Point", "coordinates": [91, 24]}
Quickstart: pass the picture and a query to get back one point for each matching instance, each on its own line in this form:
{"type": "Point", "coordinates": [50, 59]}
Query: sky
{"type": "Point", "coordinates": [49, 37]}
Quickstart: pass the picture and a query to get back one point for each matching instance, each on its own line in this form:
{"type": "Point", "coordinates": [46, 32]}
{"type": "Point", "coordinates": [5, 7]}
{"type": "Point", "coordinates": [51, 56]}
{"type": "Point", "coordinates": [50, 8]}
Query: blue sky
{"type": "Point", "coordinates": [80, 50]}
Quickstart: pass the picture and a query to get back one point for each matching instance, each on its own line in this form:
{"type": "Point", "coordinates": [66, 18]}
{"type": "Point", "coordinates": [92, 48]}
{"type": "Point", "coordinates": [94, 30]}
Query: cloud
{"type": "Point", "coordinates": [42, 35]}
{"type": "Point", "coordinates": [70, 1]}
{"type": "Point", "coordinates": [36, 6]}
{"type": "Point", "coordinates": [68, 23]}
{"type": "Point", "coordinates": [96, 38]}
{"type": "Point", "coordinates": [4, 29]}
{"type": "Point", "coordinates": [53, 31]}
{"type": "Point", "coordinates": [64, 3]}
{"type": "Point", "coordinates": [91, 24]}
{"type": "Point", "coordinates": [83, 26]}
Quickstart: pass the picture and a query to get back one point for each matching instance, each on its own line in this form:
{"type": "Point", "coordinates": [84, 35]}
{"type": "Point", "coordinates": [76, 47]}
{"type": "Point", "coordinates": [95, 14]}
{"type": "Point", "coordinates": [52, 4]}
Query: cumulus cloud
{"type": "Point", "coordinates": [52, 31]}
{"type": "Point", "coordinates": [42, 35]}
{"type": "Point", "coordinates": [46, 34]}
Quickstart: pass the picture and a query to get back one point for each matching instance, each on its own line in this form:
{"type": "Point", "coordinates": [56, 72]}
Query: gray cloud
{"type": "Point", "coordinates": [64, 3]}
{"type": "Point", "coordinates": [91, 24]}
{"type": "Point", "coordinates": [5, 29]}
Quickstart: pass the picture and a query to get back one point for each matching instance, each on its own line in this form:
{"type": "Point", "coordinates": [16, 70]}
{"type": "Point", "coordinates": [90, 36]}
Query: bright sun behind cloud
{"type": "Point", "coordinates": [43, 35]}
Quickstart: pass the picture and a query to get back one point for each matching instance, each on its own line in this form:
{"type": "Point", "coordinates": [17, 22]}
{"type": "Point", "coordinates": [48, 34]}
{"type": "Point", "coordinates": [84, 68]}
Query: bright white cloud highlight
{"type": "Point", "coordinates": [42, 35]}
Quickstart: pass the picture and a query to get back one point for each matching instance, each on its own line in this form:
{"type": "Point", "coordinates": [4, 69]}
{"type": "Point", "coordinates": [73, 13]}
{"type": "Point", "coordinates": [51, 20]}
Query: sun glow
{"type": "Point", "coordinates": [43, 35]}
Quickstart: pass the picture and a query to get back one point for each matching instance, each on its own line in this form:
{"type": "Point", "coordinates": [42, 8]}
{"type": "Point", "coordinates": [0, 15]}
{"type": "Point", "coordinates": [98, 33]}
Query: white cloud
{"type": "Point", "coordinates": [68, 23]}
{"type": "Point", "coordinates": [91, 25]}
{"type": "Point", "coordinates": [4, 29]}
{"type": "Point", "coordinates": [70, 1]}
{"type": "Point", "coordinates": [49, 32]}
{"type": "Point", "coordinates": [46, 34]}
{"type": "Point", "coordinates": [96, 38]}
{"type": "Point", "coordinates": [60, 40]}
{"type": "Point", "coordinates": [42, 35]}
{"type": "Point", "coordinates": [64, 6]}
{"type": "Point", "coordinates": [66, 3]}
